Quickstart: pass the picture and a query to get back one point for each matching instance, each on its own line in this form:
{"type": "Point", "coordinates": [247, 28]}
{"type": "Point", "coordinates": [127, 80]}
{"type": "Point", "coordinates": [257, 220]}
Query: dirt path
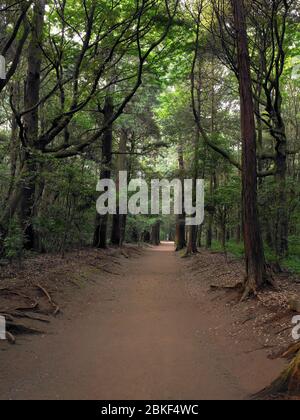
{"type": "Point", "coordinates": [141, 335]}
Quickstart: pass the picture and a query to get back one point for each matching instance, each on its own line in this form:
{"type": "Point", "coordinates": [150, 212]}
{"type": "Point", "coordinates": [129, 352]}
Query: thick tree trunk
{"type": "Point", "coordinates": [213, 177]}
{"type": "Point", "coordinates": [101, 224]}
{"type": "Point", "coordinates": [192, 245]}
{"type": "Point", "coordinates": [254, 251]}
{"type": "Point", "coordinates": [180, 233]}
{"type": "Point", "coordinates": [31, 125]}
{"type": "Point", "coordinates": [155, 234]}
{"type": "Point", "coordinates": [191, 241]}
{"type": "Point", "coordinates": [119, 220]}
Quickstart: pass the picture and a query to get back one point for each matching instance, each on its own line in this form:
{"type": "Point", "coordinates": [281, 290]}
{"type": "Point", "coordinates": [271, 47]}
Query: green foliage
{"type": "Point", "coordinates": [67, 217]}
{"type": "Point", "coordinates": [13, 243]}
{"type": "Point", "coordinates": [234, 248]}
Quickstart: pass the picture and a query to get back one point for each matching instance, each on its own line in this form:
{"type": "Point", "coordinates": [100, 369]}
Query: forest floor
{"type": "Point", "coordinates": [141, 323]}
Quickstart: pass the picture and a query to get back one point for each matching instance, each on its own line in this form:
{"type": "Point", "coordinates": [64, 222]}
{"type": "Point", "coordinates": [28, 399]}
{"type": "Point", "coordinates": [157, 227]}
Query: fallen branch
{"type": "Point", "coordinates": [10, 338]}
{"type": "Point", "coordinates": [106, 270]}
{"type": "Point", "coordinates": [21, 328]}
{"type": "Point", "coordinates": [34, 304]}
{"type": "Point", "coordinates": [283, 330]}
{"type": "Point", "coordinates": [237, 286]}
{"type": "Point", "coordinates": [46, 293]}
{"type": "Point", "coordinates": [27, 308]}
{"type": "Point", "coordinates": [30, 316]}
{"type": "Point", "coordinates": [124, 254]}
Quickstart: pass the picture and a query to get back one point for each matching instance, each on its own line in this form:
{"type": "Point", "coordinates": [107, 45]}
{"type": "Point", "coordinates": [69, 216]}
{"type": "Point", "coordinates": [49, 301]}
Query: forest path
{"type": "Point", "coordinates": [141, 335]}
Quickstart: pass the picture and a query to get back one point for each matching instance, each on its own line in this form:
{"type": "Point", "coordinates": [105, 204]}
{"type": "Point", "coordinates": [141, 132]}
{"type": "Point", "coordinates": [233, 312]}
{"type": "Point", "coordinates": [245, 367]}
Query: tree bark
{"type": "Point", "coordinates": [281, 231]}
{"type": "Point", "coordinates": [254, 251]}
{"type": "Point", "coordinates": [31, 126]}
{"type": "Point", "coordinates": [155, 234]}
{"type": "Point", "coordinates": [180, 222]}
{"type": "Point", "coordinates": [101, 224]}
{"type": "Point", "coordinates": [119, 220]}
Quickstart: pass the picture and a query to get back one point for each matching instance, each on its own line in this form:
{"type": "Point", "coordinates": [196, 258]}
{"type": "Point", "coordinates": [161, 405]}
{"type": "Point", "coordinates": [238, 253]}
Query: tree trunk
{"type": "Point", "coordinates": [209, 231]}
{"type": "Point", "coordinates": [155, 234]}
{"type": "Point", "coordinates": [31, 125]}
{"type": "Point", "coordinates": [211, 211]}
{"type": "Point", "coordinates": [254, 251]}
{"type": "Point", "coordinates": [192, 245]}
{"type": "Point", "coordinates": [119, 220]}
{"type": "Point", "coordinates": [101, 224]}
{"type": "Point", "coordinates": [223, 233]}
{"type": "Point", "coordinates": [281, 230]}
{"type": "Point", "coordinates": [199, 237]}
{"type": "Point", "coordinates": [14, 143]}
{"type": "Point", "coordinates": [238, 234]}
{"type": "Point", "coordinates": [180, 222]}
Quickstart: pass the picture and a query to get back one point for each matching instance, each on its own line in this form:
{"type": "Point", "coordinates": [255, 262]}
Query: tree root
{"type": "Point", "coordinates": [28, 315]}
{"type": "Point", "coordinates": [251, 289]}
{"type": "Point", "coordinates": [34, 303]}
{"type": "Point", "coordinates": [106, 270]}
{"type": "Point", "coordinates": [124, 254]}
{"type": "Point", "coordinates": [237, 286]}
{"type": "Point", "coordinates": [18, 328]}
{"type": "Point", "coordinates": [291, 351]}
{"type": "Point", "coordinates": [287, 383]}
{"type": "Point", "coordinates": [21, 329]}
{"type": "Point", "coordinates": [10, 338]}
{"type": "Point", "coordinates": [46, 293]}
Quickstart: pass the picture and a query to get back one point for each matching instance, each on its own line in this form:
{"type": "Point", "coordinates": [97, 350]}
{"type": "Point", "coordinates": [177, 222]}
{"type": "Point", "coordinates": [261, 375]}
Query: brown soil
{"type": "Point", "coordinates": [145, 328]}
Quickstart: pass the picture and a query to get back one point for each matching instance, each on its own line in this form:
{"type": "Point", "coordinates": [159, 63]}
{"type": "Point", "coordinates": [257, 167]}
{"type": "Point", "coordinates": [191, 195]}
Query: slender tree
{"type": "Point", "coordinates": [254, 250]}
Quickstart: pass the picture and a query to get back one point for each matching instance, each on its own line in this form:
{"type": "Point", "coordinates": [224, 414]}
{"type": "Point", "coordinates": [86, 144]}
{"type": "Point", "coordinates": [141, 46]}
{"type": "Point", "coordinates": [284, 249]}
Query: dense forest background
{"type": "Point", "coordinates": [151, 87]}
{"type": "Point", "coordinates": [160, 89]}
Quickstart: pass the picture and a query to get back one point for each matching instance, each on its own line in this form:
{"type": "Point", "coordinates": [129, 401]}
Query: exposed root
{"type": "Point", "coordinates": [287, 383]}
{"type": "Point", "coordinates": [46, 293]}
{"type": "Point", "coordinates": [237, 286]}
{"type": "Point", "coordinates": [186, 255]}
{"type": "Point", "coordinates": [251, 289]}
{"type": "Point", "coordinates": [27, 315]}
{"type": "Point", "coordinates": [291, 351]}
{"type": "Point", "coordinates": [10, 338]}
{"type": "Point", "coordinates": [106, 270]}
{"type": "Point", "coordinates": [21, 329]}
{"type": "Point", "coordinates": [33, 305]}
{"type": "Point", "coordinates": [124, 254]}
